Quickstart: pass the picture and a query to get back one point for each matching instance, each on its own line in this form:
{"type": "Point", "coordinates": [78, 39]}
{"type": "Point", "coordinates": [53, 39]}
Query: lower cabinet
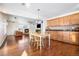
{"type": "Point", "coordinates": [65, 36]}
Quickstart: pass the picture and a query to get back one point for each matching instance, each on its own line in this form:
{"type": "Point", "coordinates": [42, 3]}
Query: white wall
{"type": "Point", "coordinates": [15, 23]}
{"type": "Point", "coordinates": [3, 21]}
{"type": "Point", "coordinates": [3, 27]}
{"type": "Point", "coordinates": [12, 27]}
{"type": "Point", "coordinates": [32, 26]}
{"type": "Point", "coordinates": [44, 24]}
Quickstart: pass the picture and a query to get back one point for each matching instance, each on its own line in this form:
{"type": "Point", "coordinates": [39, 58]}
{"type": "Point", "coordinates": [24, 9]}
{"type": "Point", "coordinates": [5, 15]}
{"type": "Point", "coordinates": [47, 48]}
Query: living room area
{"type": "Point", "coordinates": [17, 31]}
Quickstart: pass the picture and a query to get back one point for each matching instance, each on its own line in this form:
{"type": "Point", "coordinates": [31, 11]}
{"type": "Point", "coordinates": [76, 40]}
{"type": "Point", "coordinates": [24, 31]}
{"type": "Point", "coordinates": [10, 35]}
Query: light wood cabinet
{"type": "Point", "coordinates": [74, 19]}
{"type": "Point", "coordinates": [65, 36]}
{"type": "Point", "coordinates": [66, 20]}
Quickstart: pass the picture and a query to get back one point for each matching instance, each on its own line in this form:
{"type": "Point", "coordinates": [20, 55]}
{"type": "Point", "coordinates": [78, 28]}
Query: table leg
{"type": "Point", "coordinates": [49, 40]}
{"type": "Point", "coordinates": [40, 43]}
{"type": "Point", "coordinates": [30, 38]}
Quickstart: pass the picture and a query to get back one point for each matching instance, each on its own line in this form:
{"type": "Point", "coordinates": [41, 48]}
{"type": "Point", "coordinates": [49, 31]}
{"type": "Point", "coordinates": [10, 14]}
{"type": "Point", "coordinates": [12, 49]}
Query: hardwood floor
{"type": "Point", "coordinates": [16, 46]}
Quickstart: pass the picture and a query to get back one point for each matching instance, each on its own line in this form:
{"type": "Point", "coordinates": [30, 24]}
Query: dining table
{"type": "Point", "coordinates": [40, 36]}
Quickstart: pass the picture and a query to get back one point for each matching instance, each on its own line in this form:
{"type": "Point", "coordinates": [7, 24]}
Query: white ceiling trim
{"type": "Point", "coordinates": [70, 13]}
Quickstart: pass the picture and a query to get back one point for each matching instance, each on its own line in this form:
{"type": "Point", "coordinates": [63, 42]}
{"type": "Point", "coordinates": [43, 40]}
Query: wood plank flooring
{"type": "Point", "coordinates": [15, 46]}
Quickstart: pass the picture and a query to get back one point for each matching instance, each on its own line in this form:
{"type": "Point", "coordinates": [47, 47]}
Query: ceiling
{"type": "Point", "coordinates": [47, 10]}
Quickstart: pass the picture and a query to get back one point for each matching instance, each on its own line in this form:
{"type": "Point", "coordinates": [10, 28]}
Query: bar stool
{"type": "Point", "coordinates": [36, 41]}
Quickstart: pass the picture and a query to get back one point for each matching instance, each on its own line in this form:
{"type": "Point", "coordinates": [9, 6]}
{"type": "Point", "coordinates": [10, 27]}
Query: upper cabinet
{"type": "Point", "coordinates": [65, 20]}
{"type": "Point", "coordinates": [74, 19]}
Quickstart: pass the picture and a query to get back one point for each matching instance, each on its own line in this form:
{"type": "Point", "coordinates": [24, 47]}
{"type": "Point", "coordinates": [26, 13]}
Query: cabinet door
{"type": "Point", "coordinates": [49, 23]}
{"type": "Point", "coordinates": [74, 37]}
{"type": "Point", "coordinates": [54, 35]}
{"type": "Point", "coordinates": [53, 22]}
{"type": "Point", "coordinates": [66, 20]}
{"type": "Point", "coordinates": [66, 37]}
{"type": "Point", "coordinates": [60, 21]}
{"type": "Point", "coordinates": [74, 19]}
{"type": "Point", "coordinates": [60, 36]}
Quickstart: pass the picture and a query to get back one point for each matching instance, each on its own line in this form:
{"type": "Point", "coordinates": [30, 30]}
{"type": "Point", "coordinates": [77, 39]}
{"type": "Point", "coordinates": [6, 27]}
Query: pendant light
{"type": "Point", "coordinates": [38, 10]}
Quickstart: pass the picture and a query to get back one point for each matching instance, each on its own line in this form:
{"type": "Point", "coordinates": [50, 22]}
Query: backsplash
{"type": "Point", "coordinates": [74, 27]}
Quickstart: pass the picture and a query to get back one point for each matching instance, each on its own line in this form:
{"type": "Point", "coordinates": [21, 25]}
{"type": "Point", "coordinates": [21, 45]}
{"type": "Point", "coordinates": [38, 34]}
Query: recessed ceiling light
{"type": "Point", "coordinates": [26, 4]}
